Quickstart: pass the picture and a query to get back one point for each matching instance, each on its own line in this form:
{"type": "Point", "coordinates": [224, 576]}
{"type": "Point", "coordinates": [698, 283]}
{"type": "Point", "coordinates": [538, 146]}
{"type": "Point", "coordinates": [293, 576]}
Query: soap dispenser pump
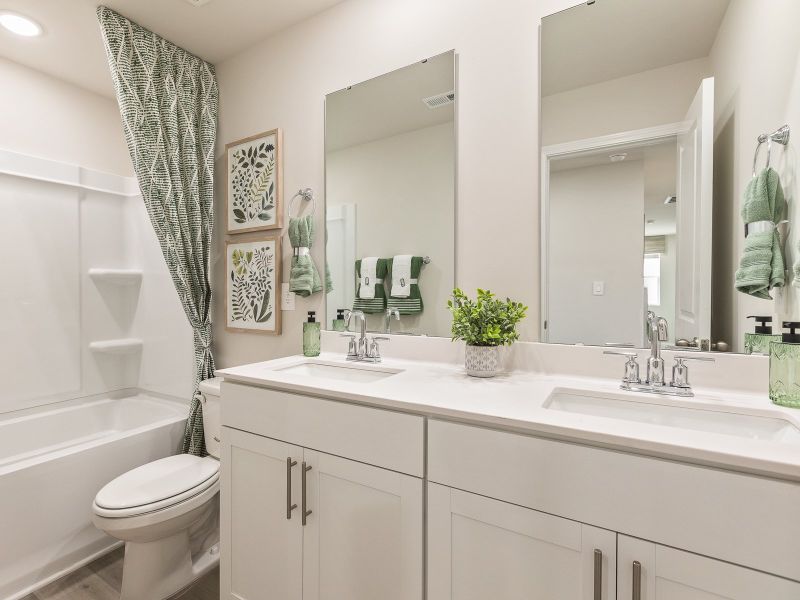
{"type": "Point", "coordinates": [311, 335]}
{"type": "Point", "coordinates": [784, 367]}
{"type": "Point", "coordinates": [759, 341]}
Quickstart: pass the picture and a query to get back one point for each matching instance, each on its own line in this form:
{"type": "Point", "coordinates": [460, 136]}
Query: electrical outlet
{"type": "Point", "coordinates": [287, 297]}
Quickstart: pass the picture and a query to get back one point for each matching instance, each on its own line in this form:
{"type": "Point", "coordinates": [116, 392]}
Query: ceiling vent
{"type": "Point", "coordinates": [440, 100]}
{"type": "Point", "coordinates": [197, 2]}
{"type": "Point", "coordinates": [670, 200]}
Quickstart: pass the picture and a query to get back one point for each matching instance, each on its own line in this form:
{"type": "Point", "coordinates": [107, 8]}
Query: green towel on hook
{"type": "Point", "coordinates": [370, 293]}
{"type": "Point", "coordinates": [761, 265]}
{"type": "Point", "coordinates": [303, 277]}
{"type": "Point", "coordinates": [406, 301]}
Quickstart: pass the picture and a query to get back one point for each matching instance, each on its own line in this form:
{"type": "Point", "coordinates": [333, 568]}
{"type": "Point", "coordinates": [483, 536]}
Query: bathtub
{"type": "Point", "coordinates": [53, 460]}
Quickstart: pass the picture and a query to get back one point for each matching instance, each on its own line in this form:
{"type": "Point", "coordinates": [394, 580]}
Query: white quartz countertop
{"type": "Point", "coordinates": [518, 401]}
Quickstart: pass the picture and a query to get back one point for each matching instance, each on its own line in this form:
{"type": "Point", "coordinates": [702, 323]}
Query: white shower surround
{"type": "Point", "coordinates": [98, 359]}
{"type": "Point", "coordinates": [62, 223]}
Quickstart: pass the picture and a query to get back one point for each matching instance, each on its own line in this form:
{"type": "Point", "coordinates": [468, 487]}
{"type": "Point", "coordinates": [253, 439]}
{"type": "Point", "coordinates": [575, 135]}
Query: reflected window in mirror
{"type": "Point", "coordinates": [390, 198]}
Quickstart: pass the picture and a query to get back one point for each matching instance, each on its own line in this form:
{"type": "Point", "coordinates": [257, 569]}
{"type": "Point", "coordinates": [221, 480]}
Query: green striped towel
{"type": "Point", "coordinates": [406, 298]}
{"type": "Point", "coordinates": [376, 304]}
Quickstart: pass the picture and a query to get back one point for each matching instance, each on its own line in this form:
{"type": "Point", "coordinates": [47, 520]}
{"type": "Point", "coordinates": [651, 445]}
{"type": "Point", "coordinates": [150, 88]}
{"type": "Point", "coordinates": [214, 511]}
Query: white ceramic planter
{"type": "Point", "coordinates": [482, 361]}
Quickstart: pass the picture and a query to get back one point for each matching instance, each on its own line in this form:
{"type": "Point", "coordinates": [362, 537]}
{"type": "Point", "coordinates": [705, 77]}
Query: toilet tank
{"type": "Point", "coordinates": [212, 427]}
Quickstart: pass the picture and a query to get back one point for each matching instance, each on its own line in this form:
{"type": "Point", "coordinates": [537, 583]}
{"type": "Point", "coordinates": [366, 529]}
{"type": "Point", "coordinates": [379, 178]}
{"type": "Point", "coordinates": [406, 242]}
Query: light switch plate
{"type": "Point", "coordinates": [287, 297]}
{"type": "Point", "coordinates": [598, 288]}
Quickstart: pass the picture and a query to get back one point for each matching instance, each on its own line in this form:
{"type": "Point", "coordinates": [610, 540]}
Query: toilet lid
{"type": "Point", "coordinates": [157, 481]}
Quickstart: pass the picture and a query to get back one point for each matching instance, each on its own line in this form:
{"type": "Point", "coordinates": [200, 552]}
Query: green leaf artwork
{"type": "Point", "coordinates": [252, 184]}
{"type": "Point", "coordinates": [251, 289]}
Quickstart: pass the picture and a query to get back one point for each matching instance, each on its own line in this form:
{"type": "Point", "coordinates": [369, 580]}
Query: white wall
{"type": "Point", "coordinates": [282, 82]}
{"type": "Point", "coordinates": [756, 61]}
{"type": "Point", "coordinates": [403, 189]}
{"type": "Point", "coordinates": [47, 117]}
{"type": "Point", "coordinates": [655, 97]}
{"type": "Point", "coordinates": [596, 234]}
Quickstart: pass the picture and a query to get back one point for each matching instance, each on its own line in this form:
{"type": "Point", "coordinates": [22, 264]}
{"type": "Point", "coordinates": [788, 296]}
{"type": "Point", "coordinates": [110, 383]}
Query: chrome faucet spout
{"type": "Point", "coordinates": [657, 332]}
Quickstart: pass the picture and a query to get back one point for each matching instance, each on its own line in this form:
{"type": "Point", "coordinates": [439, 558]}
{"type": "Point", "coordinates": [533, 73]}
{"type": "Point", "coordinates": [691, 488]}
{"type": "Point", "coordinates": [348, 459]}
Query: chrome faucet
{"type": "Point", "coordinates": [362, 348]}
{"type": "Point", "coordinates": [656, 333]}
{"type": "Point", "coordinates": [387, 319]}
{"type": "Point", "coordinates": [678, 386]}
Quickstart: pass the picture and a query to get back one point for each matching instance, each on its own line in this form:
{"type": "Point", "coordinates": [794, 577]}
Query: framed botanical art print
{"type": "Point", "coordinates": [254, 192]}
{"type": "Point", "coordinates": [253, 275]}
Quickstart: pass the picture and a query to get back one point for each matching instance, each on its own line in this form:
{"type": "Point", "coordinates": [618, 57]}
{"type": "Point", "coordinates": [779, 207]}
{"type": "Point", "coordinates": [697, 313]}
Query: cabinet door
{"type": "Point", "coordinates": [647, 571]}
{"type": "Point", "coordinates": [363, 538]}
{"type": "Point", "coordinates": [262, 552]}
{"type": "Point", "coordinates": [480, 548]}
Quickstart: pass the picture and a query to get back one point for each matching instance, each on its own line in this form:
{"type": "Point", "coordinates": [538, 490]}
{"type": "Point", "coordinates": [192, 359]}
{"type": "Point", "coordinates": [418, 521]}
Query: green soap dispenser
{"type": "Point", "coordinates": [784, 367]}
{"type": "Point", "coordinates": [758, 342]}
{"type": "Point", "coordinates": [311, 335]}
{"type": "Point", "coordinates": [339, 323]}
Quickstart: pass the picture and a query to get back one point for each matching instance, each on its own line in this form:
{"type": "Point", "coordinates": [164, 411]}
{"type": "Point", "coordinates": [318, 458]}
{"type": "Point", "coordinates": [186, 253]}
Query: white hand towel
{"type": "Point", "coordinates": [369, 279]}
{"type": "Point", "coordinates": [401, 276]}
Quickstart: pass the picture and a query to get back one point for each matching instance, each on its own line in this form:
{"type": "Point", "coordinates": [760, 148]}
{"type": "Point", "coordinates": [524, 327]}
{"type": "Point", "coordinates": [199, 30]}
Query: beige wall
{"type": "Point", "coordinates": [756, 61]}
{"type": "Point", "coordinates": [402, 187]}
{"type": "Point", "coordinates": [655, 97]}
{"type": "Point", "coordinates": [283, 81]}
{"type": "Point", "coordinates": [596, 234]}
{"type": "Point", "coordinates": [44, 116]}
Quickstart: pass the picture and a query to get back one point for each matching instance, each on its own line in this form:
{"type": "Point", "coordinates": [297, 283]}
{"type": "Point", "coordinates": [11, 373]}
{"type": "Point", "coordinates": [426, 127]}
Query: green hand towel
{"type": "Point", "coordinates": [761, 266]}
{"type": "Point", "coordinates": [378, 303]}
{"type": "Point", "coordinates": [303, 277]}
{"type": "Point", "coordinates": [411, 304]}
{"type": "Point", "coordinates": [328, 277]}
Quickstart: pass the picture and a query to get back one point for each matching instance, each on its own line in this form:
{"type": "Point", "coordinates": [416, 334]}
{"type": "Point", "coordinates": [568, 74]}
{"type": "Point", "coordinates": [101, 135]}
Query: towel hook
{"type": "Point", "coordinates": [780, 136]}
{"type": "Point", "coordinates": [306, 194]}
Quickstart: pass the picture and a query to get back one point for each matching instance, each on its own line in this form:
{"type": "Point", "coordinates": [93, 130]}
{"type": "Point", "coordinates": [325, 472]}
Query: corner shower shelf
{"type": "Point", "coordinates": [117, 276]}
{"type": "Point", "coordinates": [119, 346]}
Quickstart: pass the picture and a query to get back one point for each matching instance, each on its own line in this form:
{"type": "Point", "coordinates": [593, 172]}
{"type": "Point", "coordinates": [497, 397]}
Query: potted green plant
{"type": "Point", "coordinates": [485, 324]}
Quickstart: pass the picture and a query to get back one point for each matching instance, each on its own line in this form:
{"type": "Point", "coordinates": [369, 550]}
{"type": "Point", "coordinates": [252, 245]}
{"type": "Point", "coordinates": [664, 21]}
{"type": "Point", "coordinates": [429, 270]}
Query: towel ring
{"type": "Point", "coordinates": [306, 194]}
{"type": "Point", "coordinates": [780, 135]}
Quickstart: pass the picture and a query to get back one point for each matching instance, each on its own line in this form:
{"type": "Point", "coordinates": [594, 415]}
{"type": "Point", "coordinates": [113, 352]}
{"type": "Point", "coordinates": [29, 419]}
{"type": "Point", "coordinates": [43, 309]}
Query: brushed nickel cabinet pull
{"type": "Point", "coordinates": [598, 574]}
{"type": "Point", "coordinates": [637, 581]}
{"type": "Point", "coordinates": [304, 499]}
{"type": "Point", "coordinates": [289, 506]}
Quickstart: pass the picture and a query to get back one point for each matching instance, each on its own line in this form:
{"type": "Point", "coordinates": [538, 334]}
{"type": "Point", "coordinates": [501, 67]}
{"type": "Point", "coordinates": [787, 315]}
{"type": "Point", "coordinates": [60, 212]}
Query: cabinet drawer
{"type": "Point", "coordinates": [378, 437]}
{"type": "Point", "coordinates": [740, 518]}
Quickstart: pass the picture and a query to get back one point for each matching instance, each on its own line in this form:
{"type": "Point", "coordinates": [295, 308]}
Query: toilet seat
{"type": "Point", "coordinates": [157, 485]}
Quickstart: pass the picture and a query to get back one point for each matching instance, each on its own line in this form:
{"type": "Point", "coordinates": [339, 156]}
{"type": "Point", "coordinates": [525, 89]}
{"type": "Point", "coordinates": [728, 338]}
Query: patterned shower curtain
{"type": "Point", "coordinates": [168, 99]}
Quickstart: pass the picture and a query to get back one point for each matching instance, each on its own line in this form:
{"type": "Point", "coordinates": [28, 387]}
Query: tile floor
{"type": "Point", "coordinates": [102, 579]}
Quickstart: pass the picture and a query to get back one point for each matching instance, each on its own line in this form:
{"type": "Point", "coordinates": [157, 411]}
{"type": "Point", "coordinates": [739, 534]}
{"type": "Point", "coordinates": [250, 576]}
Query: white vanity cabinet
{"type": "Point", "coordinates": [648, 571]}
{"type": "Point", "coordinates": [482, 548]}
{"type": "Point", "coordinates": [362, 535]}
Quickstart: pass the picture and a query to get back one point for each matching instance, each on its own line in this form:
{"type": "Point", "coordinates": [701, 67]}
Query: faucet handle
{"type": "Point", "coordinates": [351, 347]}
{"type": "Point", "coordinates": [680, 372]}
{"type": "Point", "coordinates": [631, 366]}
{"type": "Point", "coordinates": [374, 348]}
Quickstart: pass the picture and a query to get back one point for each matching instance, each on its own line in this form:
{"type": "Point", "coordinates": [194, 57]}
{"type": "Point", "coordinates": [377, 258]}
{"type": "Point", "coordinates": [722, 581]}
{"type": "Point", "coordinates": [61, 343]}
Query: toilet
{"type": "Point", "coordinates": [167, 513]}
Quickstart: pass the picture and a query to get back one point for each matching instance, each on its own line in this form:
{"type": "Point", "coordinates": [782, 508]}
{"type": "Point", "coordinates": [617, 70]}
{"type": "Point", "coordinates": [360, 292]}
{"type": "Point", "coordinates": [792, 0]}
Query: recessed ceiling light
{"type": "Point", "coordinates": [20, 24]}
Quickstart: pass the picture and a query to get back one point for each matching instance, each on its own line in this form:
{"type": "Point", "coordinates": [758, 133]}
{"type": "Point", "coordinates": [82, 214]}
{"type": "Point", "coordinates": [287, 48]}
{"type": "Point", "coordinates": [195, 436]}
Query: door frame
{"type": "Point", "coordinates": [646, 136]}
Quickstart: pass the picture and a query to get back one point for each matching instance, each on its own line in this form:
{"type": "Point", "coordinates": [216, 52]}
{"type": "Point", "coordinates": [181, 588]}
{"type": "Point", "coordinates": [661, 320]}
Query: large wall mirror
{"type": "Point", "coordinates": [651, 114]}
{"type": "Point", "coordinates": [390, 198]}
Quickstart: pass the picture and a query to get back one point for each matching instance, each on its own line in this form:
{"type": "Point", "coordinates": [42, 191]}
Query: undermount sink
{"type": "Point", "coordinates": [753, 427]}
{"type": "Point", "coordinates": [353, 373]}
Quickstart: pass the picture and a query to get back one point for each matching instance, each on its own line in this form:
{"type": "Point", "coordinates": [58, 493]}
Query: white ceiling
{"type": "Point", "coordinates": [390, 104]}
{"type": "Point", "coordinates": [589, 44]}
{"type": "Point", "coordinates": [71, 47]}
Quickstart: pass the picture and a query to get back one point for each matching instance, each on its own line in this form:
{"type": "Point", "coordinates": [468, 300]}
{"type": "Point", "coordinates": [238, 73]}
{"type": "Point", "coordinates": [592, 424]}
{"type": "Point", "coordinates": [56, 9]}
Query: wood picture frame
{"type": "Point", "coordinates": [254, 183]}
{"type": "Point", "coordinates": [253, 284]}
